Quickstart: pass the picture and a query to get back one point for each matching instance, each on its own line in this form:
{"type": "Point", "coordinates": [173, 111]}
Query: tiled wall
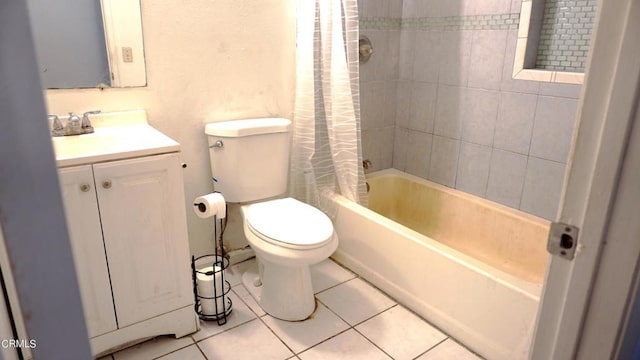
{"type": "Point", "coordinates": [460, 119]}
{"type": "Point", "coordinates": [565, 34]}
{"type": "Point", "coordinates": [380, 22]}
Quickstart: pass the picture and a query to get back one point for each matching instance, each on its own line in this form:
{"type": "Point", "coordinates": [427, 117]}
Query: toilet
{"type": "Point", "coordinates": [250, 166]}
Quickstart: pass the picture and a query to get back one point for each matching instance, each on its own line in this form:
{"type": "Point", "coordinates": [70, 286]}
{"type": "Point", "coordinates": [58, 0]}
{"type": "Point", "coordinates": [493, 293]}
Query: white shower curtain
{"type": "Point", "coordinates": [326, 153]}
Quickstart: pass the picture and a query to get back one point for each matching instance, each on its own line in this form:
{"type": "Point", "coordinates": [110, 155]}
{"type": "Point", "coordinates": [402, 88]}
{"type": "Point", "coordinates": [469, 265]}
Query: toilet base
{"type": "Point", "coordinates": [283, 292]}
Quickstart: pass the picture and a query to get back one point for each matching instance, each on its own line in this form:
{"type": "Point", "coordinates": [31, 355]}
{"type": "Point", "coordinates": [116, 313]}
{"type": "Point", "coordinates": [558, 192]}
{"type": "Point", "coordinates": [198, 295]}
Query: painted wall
{"type": "Point", "coordinates": [206, 61]}
{"type": "Point", "coordinates": [460, 119]}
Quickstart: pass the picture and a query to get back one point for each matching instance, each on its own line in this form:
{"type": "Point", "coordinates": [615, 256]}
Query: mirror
{"type": "Point", "coordinates": [88, 44]}
{"type": "Point", "coordinates": [553, 41]}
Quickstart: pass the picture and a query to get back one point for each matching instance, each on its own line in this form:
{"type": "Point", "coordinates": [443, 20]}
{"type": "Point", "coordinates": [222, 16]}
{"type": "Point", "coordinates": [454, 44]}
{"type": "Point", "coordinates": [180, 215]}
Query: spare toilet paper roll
{"type": "Point", "coordinates": [205, 290]}
{"type": "Point", "coordinates": [210, 205]}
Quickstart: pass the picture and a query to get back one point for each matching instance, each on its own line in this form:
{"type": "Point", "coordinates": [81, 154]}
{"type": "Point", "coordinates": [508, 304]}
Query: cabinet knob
{"type": "Point", "coordinates": [106, 184]}
{"type": "Point", "coordinates": [85, 187]}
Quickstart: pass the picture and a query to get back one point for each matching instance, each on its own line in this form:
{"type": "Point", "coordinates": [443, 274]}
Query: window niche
{"type": "Point", "coordinates": [553, 40]}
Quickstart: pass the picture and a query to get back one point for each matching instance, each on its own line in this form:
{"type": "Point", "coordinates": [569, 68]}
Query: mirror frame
{"type": "Point", "coordinates": [122, 21]}
{"type": "Point", "coordinates": [527, 46]}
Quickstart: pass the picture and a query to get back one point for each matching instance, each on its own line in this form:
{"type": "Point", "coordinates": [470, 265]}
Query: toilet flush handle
{"type": "Point", "coordinates": [217, 144]}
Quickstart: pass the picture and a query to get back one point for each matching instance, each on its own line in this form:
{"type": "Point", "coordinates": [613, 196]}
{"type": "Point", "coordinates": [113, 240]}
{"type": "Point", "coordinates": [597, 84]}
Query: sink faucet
{"type": "Point", "coordinates": [86, 124]}
{"type": "Point", "coordinates": [56, 127]}
{"type": "Point", "coordinates": [74, 125]}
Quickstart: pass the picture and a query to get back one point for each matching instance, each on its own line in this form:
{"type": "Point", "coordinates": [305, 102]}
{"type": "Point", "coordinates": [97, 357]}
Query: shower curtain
{"type": "Point", "coordinates": [327, 152]}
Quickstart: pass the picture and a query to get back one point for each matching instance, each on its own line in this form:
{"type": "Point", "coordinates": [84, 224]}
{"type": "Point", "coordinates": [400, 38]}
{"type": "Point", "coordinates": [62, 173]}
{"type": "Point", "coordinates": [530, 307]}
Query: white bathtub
{"type": "Point", "coordinates": [482, 288]}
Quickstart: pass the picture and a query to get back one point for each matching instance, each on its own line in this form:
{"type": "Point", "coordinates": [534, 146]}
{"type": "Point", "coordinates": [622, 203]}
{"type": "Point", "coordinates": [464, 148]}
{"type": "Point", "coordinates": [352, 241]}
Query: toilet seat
{"type": "Point", "coordinates": [289, 223]}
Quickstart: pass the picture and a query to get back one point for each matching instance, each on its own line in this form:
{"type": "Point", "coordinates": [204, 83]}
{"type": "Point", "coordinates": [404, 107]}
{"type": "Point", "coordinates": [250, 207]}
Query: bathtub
{"type": "Point", "coordinates": [469, 266]}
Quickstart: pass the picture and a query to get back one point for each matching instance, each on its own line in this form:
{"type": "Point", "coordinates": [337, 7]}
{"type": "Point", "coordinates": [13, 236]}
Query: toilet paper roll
{"type": "Point", "coordinates": [206, 290]}
{"type": "Point", "coordinates": [210, 205]}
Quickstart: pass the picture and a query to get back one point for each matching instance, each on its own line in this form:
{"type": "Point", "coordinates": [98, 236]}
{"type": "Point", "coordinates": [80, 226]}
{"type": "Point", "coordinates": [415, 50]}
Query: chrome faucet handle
{"type": "Point", "coordinates": [73, 126]}
{"type": "Point", "coordinates": [56, 126]}
{"type": "Point", "coordinates": [73, 118]}
{"type": "Point", "coordinates": [86, 124]}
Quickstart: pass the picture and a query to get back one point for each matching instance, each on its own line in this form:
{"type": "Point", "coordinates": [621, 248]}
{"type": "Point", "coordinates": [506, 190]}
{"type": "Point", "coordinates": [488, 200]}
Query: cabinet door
{"type": "Point", "coordinates": [83, 221]}
{"type": "Point", "coordinates": [144, 226]}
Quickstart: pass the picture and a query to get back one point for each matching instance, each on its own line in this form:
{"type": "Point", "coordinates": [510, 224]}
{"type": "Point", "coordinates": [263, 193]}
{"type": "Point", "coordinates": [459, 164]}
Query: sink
{"type": "Point", "coordinates": [110, 143]}
{"type": "Point", "coordinates": [70, 146]}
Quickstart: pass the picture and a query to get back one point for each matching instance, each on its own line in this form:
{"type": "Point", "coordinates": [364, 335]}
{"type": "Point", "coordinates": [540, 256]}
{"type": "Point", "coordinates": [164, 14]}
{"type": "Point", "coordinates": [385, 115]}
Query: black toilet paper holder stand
{"type": "Point", "coordinates": [219, 261]}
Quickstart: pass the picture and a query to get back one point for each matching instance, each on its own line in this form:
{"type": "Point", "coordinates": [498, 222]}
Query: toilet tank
{"type": "Point", "coordinates": [249, 158]}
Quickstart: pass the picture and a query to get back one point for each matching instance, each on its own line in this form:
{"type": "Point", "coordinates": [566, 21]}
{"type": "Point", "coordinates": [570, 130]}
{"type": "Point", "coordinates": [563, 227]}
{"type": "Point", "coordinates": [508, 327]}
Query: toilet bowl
{"type": "Point", "coordinates": [250, 164]}
{"type": "Point", "coordinates": [288, 236]}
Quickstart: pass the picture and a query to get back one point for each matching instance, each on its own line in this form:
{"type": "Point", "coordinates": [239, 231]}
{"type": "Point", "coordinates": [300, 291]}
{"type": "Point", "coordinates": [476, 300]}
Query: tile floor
{"type": "Point", "coordinates": [353, 320]}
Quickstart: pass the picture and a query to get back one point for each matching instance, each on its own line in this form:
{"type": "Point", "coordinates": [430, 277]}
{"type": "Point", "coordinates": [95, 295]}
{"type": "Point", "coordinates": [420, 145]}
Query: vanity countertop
{"type": "Point", "coordinates": [117, 136]}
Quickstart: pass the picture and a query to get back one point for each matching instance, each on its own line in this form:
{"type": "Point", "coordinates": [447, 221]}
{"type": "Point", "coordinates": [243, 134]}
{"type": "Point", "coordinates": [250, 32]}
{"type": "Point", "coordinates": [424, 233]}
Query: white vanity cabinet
{"type": "Point", "coordinates": [126, 217]}
{"type": "Point", "coordinates": [127, 225]}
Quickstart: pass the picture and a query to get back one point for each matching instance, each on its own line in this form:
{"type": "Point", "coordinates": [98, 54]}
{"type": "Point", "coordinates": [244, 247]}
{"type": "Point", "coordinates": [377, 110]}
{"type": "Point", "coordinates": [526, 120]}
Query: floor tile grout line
{"type": "Point", "coordinates": [246, 303]}
{"type": "Point", "coordinates": [336, 285]}
{"type": "Point", "coordinates": [421, 317]}
{"type": "Point", "coordinates": [201, 351]}
{"type": "Point", "coordinates": [433, 347]}
{"type": "Point", "coordinates": [436, 327]}
{"type": "Point", "coordinates": [260, 318]}
{"type": "Point", "coordinates": [353, 327]}
{"type": "Point", "coordinates": [466, 348]}
{"type": "Point", "coordinates": [231, 327]}
{"type": "Point", "coordinates": [314, 345]}
{"type": "Point", "coordinates": [323, 341]}
{"type": "Point", "coordinates": [373, 343]}
{"type": "Point", "coordinates": [396, 303]}
{"type": "Point", "coordinates": [257, 318]}
{"type": "Point", "coordinates": [379, 313]}
{"type": "Point", "coordinates": [363, 279]}
{"type": "Point", "coordinates": [349, 327]}
{"type": "Point", "coordinates": [221, 332]}
{"type": "Point", "coordinates": [356, 276]}
{"type": "Point", "coordinates": [362, 321]}
{"type": "Point", "coordinates": [270, 329]}
{"type": "Point", "coordinates": [174, 350]}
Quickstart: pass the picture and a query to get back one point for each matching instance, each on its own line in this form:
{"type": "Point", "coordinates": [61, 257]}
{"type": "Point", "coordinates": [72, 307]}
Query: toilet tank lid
{"type": "Point", "coordinates": [247, 127]}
